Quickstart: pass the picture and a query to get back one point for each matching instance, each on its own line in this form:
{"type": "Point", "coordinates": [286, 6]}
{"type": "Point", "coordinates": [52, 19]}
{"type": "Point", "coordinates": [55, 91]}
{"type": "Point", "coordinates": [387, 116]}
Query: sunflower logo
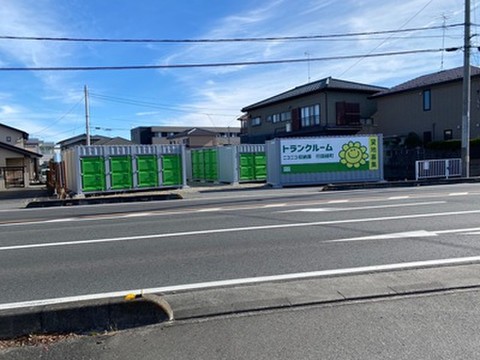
{"type": "Point", "coordinates": [353, 155]}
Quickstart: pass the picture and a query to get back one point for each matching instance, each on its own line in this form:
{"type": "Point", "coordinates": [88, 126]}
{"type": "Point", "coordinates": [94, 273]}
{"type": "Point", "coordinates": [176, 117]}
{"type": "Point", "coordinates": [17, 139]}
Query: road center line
{"type": "Point", "coordinates": [229, 230]}
{"type": "Point", "coordinates": [247, 281]}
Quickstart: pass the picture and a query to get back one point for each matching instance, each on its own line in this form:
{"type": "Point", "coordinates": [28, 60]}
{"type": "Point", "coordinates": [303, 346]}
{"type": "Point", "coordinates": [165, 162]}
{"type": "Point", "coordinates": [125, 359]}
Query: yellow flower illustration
{"type": "Point", "coordinates": [353, 155]}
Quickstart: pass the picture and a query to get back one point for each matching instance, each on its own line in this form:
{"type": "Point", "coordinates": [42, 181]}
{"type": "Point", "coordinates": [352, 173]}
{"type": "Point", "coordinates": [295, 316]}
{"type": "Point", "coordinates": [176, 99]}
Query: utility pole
{"type": "Point", "coordinates": [87, 116]}
{"type": "Point", "coordinates": [466, 96]}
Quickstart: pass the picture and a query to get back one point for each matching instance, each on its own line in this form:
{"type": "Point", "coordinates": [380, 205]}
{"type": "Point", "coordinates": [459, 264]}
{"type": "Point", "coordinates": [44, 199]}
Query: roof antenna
{"type": "Point", "coordinates": [307, 54]}
{"type": "Point", "coordinates": [443, 39]}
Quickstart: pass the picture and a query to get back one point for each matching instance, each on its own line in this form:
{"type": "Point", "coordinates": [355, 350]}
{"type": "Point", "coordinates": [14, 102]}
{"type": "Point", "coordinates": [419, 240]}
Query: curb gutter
{"type": "Point", "coordinates": [82, 317]}
{"type": "Point", "coordinates": [103, 200]}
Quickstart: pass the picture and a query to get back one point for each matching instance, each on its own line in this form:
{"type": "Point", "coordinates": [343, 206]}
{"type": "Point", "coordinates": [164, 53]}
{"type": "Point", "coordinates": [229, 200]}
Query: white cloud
{"type": "Point", "coordinates": [237, 87]}
{"type": "Point", "coordinates": [7, 110]}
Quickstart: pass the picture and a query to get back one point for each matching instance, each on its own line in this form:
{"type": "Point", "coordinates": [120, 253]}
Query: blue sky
{"type": "Point", "coordinates": [49, 105]}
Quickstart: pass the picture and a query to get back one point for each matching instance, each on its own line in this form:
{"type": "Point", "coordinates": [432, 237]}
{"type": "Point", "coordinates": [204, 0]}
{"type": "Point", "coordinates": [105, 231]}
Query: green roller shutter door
{"type": "Point", "coordinates": [211, 165]}
{"type": "Point", "coordinates": [260, 161]}
{"type": "Point", "coordinates": [121, 174]}
{"type": "Point", "coordinates": [253, 166]}
{"type": "Point", "coordinates": [93, 173]}
{"type": "Point", "coordinates": [172, 170]}
{"type": "Point", "coordinates": [246, 167]}
{"type": "Point", "coordinates": [198, 166]}
{"type": "Point", "coordinates": [147, 171]}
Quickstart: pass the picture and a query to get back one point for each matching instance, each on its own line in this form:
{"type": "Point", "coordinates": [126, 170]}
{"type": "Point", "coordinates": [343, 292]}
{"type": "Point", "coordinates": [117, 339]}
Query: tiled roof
{"type": "Point", "coordinates": [113, 141]}
{"type": "Point", "coordinates": [193, 132]}
{"type": "Point", "coordinates": [429, 80]}
{"type": "Point", "coordinates": [19, 150]}
{"type": "Point", "coordinates": [81, 138]}
{"type": "Point", "coordinates": [316, 86]}
{"type": "Point", "coordinates": [12, 128]}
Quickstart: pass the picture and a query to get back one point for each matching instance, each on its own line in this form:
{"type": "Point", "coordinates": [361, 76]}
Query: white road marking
{"type": "Point", "coordinates": [458, 194]}
{"type": "Point", "coordinates": [228, 230]}
{"type": "Point", "coordinates": [453, 231]}
{"type": "Point", "coordinates": [363, 207]}
{"type": "Point", "coordinates": [245, 281]}
{"type": "Point", "coordinates": [209, 210]}
{"type": "Point", "coordinates": [273, 205]}
{"type": "Point", "coordinates": [338, 201]}
{"type": "Point", "coordinates": [399, 197]}
{"type": "Point", "coordinates": [138, 214]}
{"type": "Point", "coordinates": [403, 235]}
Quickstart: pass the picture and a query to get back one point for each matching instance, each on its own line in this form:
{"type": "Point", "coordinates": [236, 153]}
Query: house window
{"type": "Point", "coordinates": [427, 100]}
{"type": "Point", "coordinates": [276, 118]}
{"type": "Point", "coordinates": [347, 113]}
{"type": "Point", "coordinates": [448, 134]}
{"type": "Point", "coordinates": [427, 137]}
{"type": "Point", "coordinates": [286, 116]}
{"type": "Point", "coordinates": [310, 115]}
{"type": "Point", "coordinates": [256, 121]}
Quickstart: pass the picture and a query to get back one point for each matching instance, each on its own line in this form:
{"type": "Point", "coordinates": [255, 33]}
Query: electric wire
{"type": "Point", "coordinates": [61, 117]}
{"type": "Point", "coordinates": [151, 105]}
{"type": "Point", "coordinates": [225, 64]}
{"type": "Point", "coordinates": [223, 40]}
{"type": "Point", "coordinates": [383, 42]}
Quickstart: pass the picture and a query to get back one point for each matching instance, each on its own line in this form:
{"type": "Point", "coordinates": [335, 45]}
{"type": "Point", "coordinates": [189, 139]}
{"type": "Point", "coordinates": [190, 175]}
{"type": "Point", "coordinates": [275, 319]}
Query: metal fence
{"type": "Point", "coordinates": [426, 169]}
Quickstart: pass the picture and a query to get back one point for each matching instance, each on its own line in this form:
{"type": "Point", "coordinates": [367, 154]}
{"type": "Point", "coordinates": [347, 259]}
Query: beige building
{"type": "Point", "coordinates": [18, 165]}
{"type": "Point", "coordinates": [430, 106]}
{"type": "Point", "coordinates": [199, 137]}
{"type": "Point", "coordinates": [320, 108]}
{"type": "Point", "coordinates": [148, 135]}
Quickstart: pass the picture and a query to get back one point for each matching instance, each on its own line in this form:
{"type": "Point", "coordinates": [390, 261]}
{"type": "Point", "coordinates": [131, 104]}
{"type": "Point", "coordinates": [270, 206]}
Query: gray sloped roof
{"type": "Point", "coordinates": [423, 81]}
{"type": "Point", "coordinates": [113, 141]}
{"type": "Point", "coordinates": [19, 150]}
{"type": "Point", "coordinates": [81, 138]}
{"type": "Point", "coordinates": [193, 132]}
{"type": "Point", "coordinates": [317, 86]}
{"type": "Point", "coordinates": [24, 134]}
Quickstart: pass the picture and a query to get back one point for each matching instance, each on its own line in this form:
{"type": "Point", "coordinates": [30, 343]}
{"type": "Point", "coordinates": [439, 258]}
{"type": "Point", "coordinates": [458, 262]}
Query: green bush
{"type": "Point", "coordinates": [448, 145]}
{"type": "Point", "coordinates": [412, 141]}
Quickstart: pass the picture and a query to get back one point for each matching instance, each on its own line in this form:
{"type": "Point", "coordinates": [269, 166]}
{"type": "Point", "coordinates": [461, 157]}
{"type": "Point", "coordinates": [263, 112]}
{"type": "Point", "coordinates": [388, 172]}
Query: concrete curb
{"type": "Point", "coordinates": [329, 290]}
{"type": "Point", "coordinates": [103, 200]}
{"type": "Point", "coordinates": [81, 317]}
{"type": "Point", "coordinates": [406, 183]}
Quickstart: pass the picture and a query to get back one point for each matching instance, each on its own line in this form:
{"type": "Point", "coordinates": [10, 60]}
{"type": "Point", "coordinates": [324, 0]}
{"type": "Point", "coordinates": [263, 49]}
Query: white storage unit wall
{"type": "Point", "coordinates": [227, 164]}
{"type": "Point", "coordinates": [323, 160]}
{"type": "Point", "coordinates": [98, 169]}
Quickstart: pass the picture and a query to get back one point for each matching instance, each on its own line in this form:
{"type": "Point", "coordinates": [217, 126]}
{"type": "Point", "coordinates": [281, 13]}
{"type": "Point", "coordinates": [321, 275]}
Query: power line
{"type": "Point", "coordinates": [61, 117]}
{"type": "Point", "coordinates": [384, 41]}
{"type": "Point", "coordinates": [221, 40]}
{"type": "Point", "coordinates": [206, 65]}
{"type": "Point", "coordinates": [149, 104]}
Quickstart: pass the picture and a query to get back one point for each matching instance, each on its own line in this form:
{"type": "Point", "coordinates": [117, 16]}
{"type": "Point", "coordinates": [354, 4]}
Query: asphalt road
{"type": "Point", "coordinates": [59, 252]}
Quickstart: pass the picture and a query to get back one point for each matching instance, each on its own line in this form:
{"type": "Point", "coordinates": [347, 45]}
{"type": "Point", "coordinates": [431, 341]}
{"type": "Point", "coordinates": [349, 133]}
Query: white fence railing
{"type": "Point", "coordinates": [425, 169]}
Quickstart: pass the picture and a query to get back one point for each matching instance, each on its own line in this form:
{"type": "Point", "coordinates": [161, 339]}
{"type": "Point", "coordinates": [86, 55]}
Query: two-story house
{"type": "Point", "coordinates": [429, 105]}
{"type": "Point", "coordinates": [18, 165]}
{"type": "Point", "coordinates": [320, 108]}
